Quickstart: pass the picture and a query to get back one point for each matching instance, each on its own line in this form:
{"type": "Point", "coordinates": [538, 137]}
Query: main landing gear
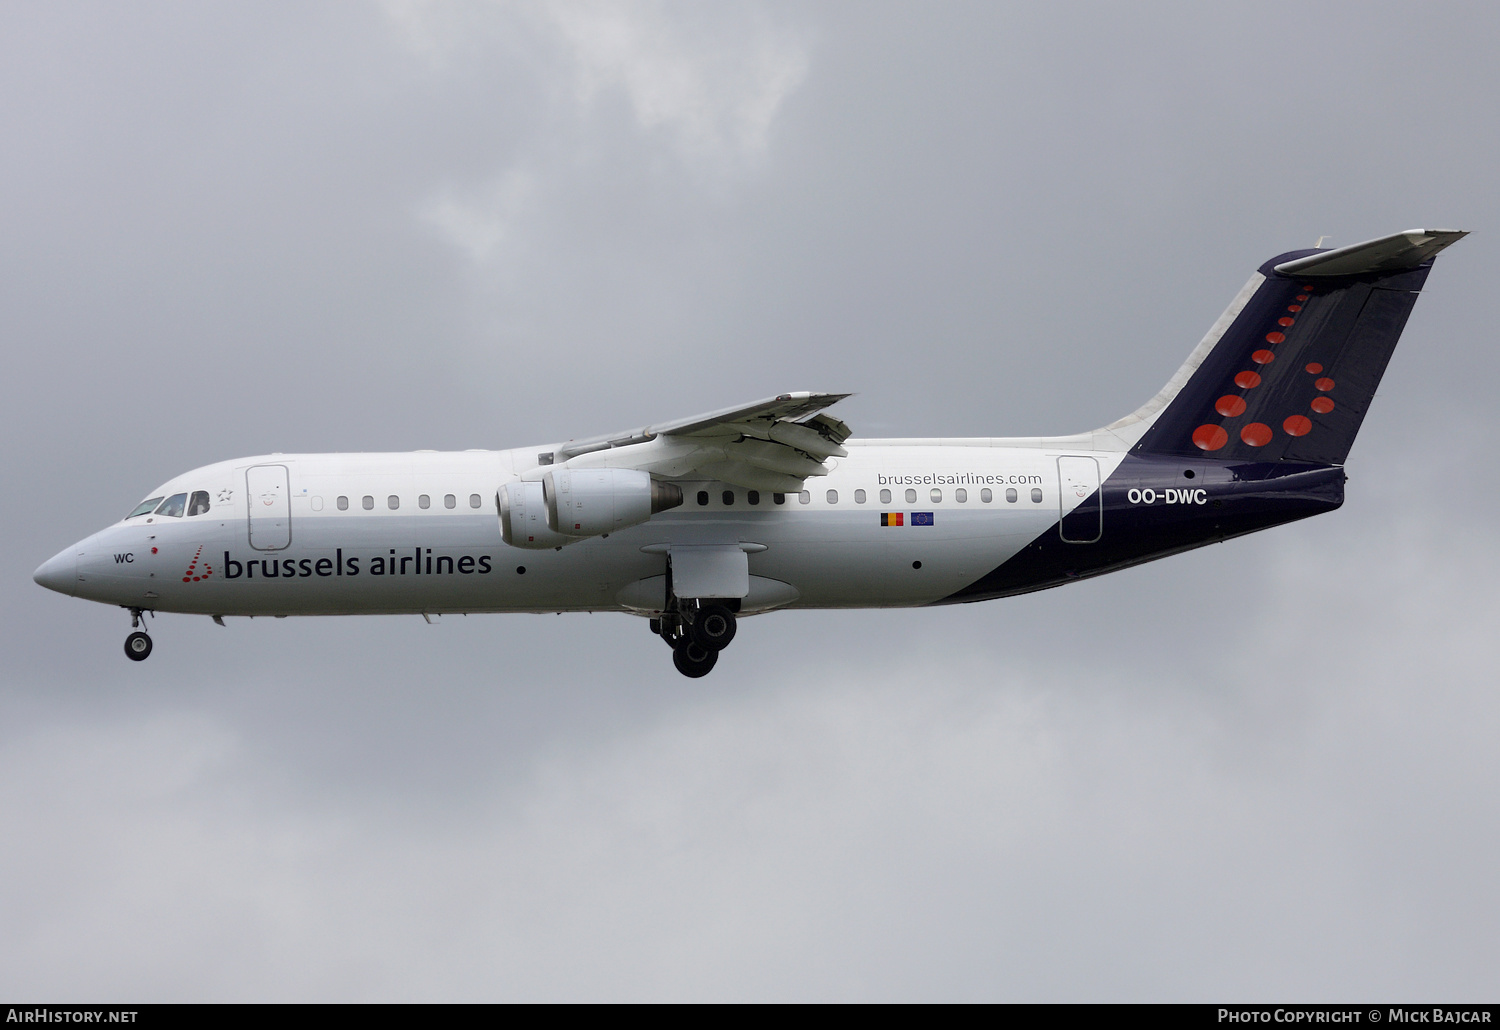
{"type": "Point", "coordinates": [697, 631]}
{"type": "Point", "coordinates": [138, 644]}
{"type": "Point", "coordinates": [692, 659]}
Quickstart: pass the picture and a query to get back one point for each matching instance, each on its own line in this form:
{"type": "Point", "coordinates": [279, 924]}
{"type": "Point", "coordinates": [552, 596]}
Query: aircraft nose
{"type": "Point", "coordinates": [60, 572]}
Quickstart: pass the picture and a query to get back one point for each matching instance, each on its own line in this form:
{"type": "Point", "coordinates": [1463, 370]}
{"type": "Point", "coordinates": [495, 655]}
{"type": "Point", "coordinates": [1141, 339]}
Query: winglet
{"type": "Point", "coordinates": [1394, 253]}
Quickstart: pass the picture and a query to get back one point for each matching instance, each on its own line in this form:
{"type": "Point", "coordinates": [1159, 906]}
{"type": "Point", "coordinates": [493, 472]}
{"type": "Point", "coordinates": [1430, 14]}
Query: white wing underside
{"type": "Point", "coordinates": [773, 445]}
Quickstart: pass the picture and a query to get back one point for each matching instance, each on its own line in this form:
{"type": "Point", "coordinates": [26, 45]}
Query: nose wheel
{"type": "Point", "coordinates": [137, 647]}
{"type": "Point", "coordinates": [138, 644]}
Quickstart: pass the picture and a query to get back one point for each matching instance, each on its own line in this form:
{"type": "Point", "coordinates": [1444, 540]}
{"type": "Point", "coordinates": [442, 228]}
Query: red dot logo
{"type": "Point", "coordinates": [1301, 296]}
{"type": "Point", "coordinates": [1247, 380]}
{"type": "Point", "coordinates": [1262, 357]}
{"type": "Point", "coordinates": [1210, 438]}
{"type": "Point", "coordinates": [188, 576]}
{"type": "Point", "coordinates": [1275, 337]}
{"type": "Point", "coordinates": [1322, 405]}
{"type": "Point", "coordinates": [1297, 425]}
{"type": "Point", "coordinates": [1229, 405]}
{"type": "Point", "coordinates": [1325, 384]}
{"type": "Point", "coordinates": [1314, 368]}
{"type": "Point", "coordinates": [1256, 434]}
{"type": "Point", "coordinates": [1295, 307]}
{"type": "Point", "coordinates": [1286, 320]}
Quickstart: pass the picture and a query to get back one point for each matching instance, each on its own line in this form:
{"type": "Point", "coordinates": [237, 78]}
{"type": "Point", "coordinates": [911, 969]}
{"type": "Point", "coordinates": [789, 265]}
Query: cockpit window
{"type": "Point", "coordinates": [199, 503]}
{"type": "Point", "coordinates": [145, 507]}
{"type": "Point", "coordinates": [173, 506]}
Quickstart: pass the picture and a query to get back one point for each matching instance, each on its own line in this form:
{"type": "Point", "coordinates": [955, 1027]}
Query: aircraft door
{"type": "Point", "coordinates": [1081, 513]}
{"type": "Point", "coordinates": [270, 497]}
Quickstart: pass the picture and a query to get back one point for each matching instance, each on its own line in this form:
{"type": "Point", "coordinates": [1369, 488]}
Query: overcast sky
{"type": "Point", "coordinates": [1266, 769]}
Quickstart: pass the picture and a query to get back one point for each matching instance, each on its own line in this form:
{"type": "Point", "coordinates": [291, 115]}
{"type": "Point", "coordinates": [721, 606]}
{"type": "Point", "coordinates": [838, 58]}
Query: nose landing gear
{"type": "Point", "coordinates": [137, 647]}
{"type": "Point", "coordinates": [138, 644]}
{"type": "Point", "coordinates": [696, 631]}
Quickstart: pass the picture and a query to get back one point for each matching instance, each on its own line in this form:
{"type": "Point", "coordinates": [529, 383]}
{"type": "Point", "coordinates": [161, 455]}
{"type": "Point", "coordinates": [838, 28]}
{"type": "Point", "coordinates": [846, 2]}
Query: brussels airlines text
{"type": "Point", "coordinates": [418, 561]}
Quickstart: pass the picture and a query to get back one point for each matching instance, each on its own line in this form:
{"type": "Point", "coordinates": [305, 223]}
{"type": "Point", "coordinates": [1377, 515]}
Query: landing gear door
{"type": "Point", "coordinates": [1081, 515]}
{"type": "Point", "coordinates": [270, 497]}
{"type": "Point", "coordinates": [710, 571]}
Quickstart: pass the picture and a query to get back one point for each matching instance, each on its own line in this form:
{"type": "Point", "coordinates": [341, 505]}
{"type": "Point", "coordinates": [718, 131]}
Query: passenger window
{"type": "Point", "coordinates": [393, 502]}
{"type": "Point", "coordinates": [885, 497]}
{"type": "Point", "coordinates": [449, 500]}
{"type": "Point", "coordinates": [986, 496]}
{"type": "Point", "coordinates": [1036, 495]}
{"type": "Point", "coordinates": [728, 497]}
{"type": "Point", "coordinates": [1011, 496]}
{"type": "Point", "coordinates": [367, 502]}
{"type": "Point", "coordinates": [859, 497]}
{"type": "Point", "coordinates": [315, 502]}
{"type": "Point", "coordinates": [753, 497]}
{"type": "Point", "coordinates": [911, 497]}
{"type": "Point", "coordinates": [343, 503]}
{"type": "Point", "coordinates": [833, 497]}
{"type": "Point", "coordinates": [702, 498]}
{"type": "Point", "coordinates": [146, 507]}
{"type": "Point", "coordinates": [473, 500]}
{"type": "Point", "coordinates": [173, 506]}
{"type": "Point", "coordinates": [961, 495]}
{"type": "Point", "coordinates": [937, 496]}
{"type": "Point", "coordinates": [423, 501]}
{"type": "Point", "coordinates": [198, 505]}
{"type": "Point", "coordinates": [779, 498]}
{"type": "Point", "coordinates": [804, 497]}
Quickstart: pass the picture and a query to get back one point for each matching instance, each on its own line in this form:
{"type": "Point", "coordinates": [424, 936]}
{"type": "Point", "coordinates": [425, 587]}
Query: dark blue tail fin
{"type": "Point", "coordinates": [1293, 373]}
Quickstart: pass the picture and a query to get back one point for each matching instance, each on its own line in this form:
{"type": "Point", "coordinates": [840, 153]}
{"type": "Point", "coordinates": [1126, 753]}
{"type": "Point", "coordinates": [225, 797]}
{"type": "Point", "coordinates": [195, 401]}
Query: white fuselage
{"type": "Point", "coordinates": [419, 533]}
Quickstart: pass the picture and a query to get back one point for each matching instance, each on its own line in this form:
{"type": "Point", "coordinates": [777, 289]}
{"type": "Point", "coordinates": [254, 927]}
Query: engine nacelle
{"type": "Point", "coordinates": [588, 502]}
{"type": "Point", "coordinates": [523, 518]}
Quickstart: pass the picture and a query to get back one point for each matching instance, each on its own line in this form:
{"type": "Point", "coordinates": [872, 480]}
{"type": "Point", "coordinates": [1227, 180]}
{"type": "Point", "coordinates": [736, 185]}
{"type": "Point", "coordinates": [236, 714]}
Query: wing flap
{"type": "Point", "coordinates": [783, 407]}
{"type": "Point", "coordinates": [774, 457]}
{"type": "Point", "coordinates": [773, 445]}
{"type": "Point", "coordinates": [749, 477]}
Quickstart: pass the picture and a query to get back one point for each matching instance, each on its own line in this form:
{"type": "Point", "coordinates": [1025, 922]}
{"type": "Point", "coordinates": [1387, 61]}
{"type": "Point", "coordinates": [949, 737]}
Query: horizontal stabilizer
{"type": "Point", "coordinates": [1395, 253]}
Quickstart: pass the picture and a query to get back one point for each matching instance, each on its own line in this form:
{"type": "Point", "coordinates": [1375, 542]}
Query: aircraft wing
{"type": "Point", "coordinates": [773, 444]}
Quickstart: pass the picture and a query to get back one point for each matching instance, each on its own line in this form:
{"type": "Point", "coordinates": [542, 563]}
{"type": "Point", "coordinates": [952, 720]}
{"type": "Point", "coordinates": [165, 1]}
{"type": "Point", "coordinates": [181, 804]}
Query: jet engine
{"type": "Point", "coordinates": [523, 518]}
{"type": "Point", "coordinates": [588, 502]}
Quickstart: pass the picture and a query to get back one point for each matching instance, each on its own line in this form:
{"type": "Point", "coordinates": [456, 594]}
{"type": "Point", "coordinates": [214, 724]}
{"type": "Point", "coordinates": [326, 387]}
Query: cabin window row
{"type": "Point", "coordinates": [935, 496]}
{"type": "Point", "coordinates": [393, 501]}
{"type": "Point", "coordinates": [751, 497]}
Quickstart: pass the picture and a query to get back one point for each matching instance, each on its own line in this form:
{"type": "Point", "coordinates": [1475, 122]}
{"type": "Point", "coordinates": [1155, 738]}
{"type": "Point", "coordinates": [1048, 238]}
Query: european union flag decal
{"type": "Point", "coordinates": [921, 518]}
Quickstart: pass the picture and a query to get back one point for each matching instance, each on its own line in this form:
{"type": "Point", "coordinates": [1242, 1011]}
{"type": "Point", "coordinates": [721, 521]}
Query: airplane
{"type": "Point", "coordinates": [695, 523]}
